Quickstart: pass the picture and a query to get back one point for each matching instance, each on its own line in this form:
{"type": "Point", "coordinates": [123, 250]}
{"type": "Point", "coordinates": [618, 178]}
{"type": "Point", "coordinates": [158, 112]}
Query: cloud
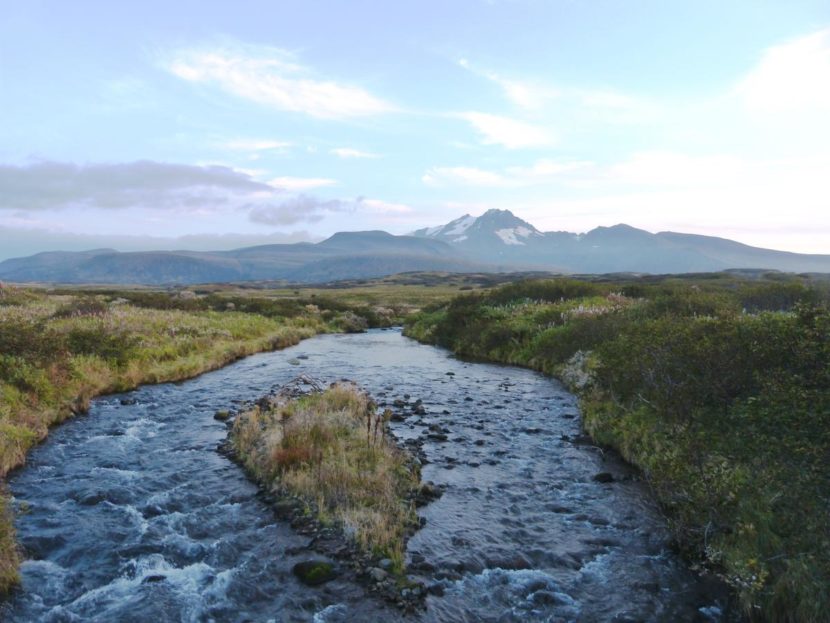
{"type": "Point", "coordinates": [311, 209]}
{"type": "Point", "coordinates": [510, 133]}
{"type": "Point", "coordinates": [296, 184]}
{"type": "Point", "coordinates": [144, 183]}
{"type": "Point", "coordinates": [538, 96]}
{"type": "Point", "coordinates": [302, 208]}
{"type": "Point", "coordinates": [378, 206]}
{"type": "Point", "coordinates": [543, 171]}
{"type": "Point", "coordinates": [525, 94]}
{"type": "Point", "coordinates": [269, 76]}
{"type": "Point", "coordinates": [790, 77]}
{"type": "Point", "coordinates": [347, 152]}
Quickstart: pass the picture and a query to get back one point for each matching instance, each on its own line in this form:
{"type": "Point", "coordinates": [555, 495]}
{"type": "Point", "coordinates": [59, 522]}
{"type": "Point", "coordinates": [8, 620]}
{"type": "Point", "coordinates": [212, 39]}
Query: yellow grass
{"type": "Point", "coordinates": [332, 450]}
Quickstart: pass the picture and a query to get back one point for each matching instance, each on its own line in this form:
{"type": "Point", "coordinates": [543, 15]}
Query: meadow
{"type": "Point", "coordinates": [716, 386]}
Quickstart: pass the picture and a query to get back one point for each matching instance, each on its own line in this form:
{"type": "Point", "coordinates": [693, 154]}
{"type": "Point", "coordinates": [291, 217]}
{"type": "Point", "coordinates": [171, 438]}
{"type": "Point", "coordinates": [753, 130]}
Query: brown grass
{"type": "Point", "coordinates": [332, 450]}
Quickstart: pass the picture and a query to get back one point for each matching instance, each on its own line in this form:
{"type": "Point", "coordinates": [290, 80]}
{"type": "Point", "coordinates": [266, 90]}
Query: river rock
{"type": "Point", "coordinates": [221, 415]}
{"type": "Point", "coordinates": [603, 477]}
{"type": "Point", "coordinates": [314, 572]}
{"type": "Point", "coordinates": [284, 508]}
{"type": "Point", "coordinates": [378, 574]}
{"type": "Point", "coordinates": [546, 598]}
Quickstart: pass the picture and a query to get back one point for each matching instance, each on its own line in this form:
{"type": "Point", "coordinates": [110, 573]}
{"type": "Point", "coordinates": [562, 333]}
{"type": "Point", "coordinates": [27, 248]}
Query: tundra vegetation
{"type": "Point", "coordinates": [332, 450]}
{"type": "Point", "coordinates": [717, 387]}
{"type": "Point", "coordinates": [58, 349]}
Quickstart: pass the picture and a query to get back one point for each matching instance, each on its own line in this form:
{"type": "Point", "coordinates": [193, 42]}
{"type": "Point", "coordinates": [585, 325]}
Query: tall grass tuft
{"type": "Point", "coordinates": [332, 450]}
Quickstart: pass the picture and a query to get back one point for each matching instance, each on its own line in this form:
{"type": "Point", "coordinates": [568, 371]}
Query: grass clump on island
{"type": "Point", "coordinates": [59, 349]}
{"type": "Point", "coordinates": [332, 450]}
{"type": "Point", "coordinates": [716, 386]}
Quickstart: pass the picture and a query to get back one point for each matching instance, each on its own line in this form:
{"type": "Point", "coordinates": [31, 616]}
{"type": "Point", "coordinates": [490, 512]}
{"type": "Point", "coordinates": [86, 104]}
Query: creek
{"type": "Point", "coordinates": [130, 514]}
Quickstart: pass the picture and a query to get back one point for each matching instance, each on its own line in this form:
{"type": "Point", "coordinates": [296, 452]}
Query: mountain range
{"type": "Point", "coordinates": [497, 241]}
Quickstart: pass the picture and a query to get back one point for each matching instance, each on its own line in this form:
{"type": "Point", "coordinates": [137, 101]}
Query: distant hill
{"type": "Point", "coordinates": [345, 255]}
{"type": "Point", "coordinates": [496, 241]}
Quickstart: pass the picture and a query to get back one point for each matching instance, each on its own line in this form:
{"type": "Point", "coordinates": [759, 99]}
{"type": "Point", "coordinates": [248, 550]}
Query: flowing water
{"type": "Point", "coordinates": [130, 514]}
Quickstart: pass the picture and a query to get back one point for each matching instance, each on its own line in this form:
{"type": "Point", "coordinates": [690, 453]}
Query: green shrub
{"type": "Point", "coordinates": [717, 388]}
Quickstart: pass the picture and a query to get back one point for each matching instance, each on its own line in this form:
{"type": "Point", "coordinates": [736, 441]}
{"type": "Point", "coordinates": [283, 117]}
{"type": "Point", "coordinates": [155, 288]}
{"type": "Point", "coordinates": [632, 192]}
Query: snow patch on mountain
{"type": "Point", "coordinates": [512, 235]}
{"type": "Point", "coordinates": [429, 232]}
{"type": "Point", "coordinates": [460, 225]}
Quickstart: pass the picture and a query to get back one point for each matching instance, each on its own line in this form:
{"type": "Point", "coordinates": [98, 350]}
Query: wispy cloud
{"type": "Point", "coordinates": [297, 184]}
{"type": "Point", "coordinates": [508, 132]}
{"type": "Point", "coordinates": [791, 77]}
{"type": "Point", "coordinates": [525, 94]}
{"type": "Point", "coordinates": [538, 96]}
{"type": "Point", "coordinates": [348, 152]}
{"type": "Point", "coordinates": [271, 76]}
{"type": "Point", "coordinates": [543, 171]}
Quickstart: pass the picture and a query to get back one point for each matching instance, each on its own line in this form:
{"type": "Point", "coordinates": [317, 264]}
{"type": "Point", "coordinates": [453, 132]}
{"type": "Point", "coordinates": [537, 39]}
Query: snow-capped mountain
{"type": "Point", "coordinates": [500, 238]}
{"type": "Point", "coordinates": [498, 235]}
{"type": "Point", "coordinates": [492, 226]}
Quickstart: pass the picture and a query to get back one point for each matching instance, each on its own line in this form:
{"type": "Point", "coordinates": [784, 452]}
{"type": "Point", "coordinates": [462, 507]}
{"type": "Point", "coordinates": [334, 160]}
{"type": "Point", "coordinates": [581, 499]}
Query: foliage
{"type": "Point", "coordinates": [717, 387]}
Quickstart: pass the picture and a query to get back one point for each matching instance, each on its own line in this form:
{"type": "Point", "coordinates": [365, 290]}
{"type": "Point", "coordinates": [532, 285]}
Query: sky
{"type": "Point", "coordinates": [206, 125]}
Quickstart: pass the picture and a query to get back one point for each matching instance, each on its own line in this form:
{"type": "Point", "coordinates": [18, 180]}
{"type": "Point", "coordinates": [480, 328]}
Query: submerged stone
{"type": "Point", "coordinates": [314, 572]}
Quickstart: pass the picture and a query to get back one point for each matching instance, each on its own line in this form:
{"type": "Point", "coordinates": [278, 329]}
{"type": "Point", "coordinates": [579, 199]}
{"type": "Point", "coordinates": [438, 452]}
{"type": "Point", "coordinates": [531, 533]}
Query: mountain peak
{"type": "Point", "coordinates": [494, 227]}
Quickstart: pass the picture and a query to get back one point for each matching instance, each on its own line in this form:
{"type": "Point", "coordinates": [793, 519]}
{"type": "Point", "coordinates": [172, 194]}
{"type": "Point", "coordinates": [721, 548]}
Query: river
{"type": "Point", "coordinates": [128, 513]}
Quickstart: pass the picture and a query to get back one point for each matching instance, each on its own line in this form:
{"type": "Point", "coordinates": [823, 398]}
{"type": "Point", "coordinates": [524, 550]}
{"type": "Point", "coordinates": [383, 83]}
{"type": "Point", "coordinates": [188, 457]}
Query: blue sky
{"type": "Point", "coordinates": [135, 124]}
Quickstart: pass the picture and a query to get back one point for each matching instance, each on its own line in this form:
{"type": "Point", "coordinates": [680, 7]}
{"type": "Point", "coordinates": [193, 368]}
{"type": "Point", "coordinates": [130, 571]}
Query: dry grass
{"type": "Point", "coordinates": [10, 559]}
{"type": "Point", "coordinates": [57, 352]}
{"type": "Point", "coordinates": [332, 450]}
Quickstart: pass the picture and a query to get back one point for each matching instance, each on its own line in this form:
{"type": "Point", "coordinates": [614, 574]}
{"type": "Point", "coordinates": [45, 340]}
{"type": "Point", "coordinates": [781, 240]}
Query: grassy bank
{"type": "Point", "coordinates": [716, 386]}
{"type": "Point", "coordinates": [58, 350]}
{"type": "Point", "coordinates": [332, 450]}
